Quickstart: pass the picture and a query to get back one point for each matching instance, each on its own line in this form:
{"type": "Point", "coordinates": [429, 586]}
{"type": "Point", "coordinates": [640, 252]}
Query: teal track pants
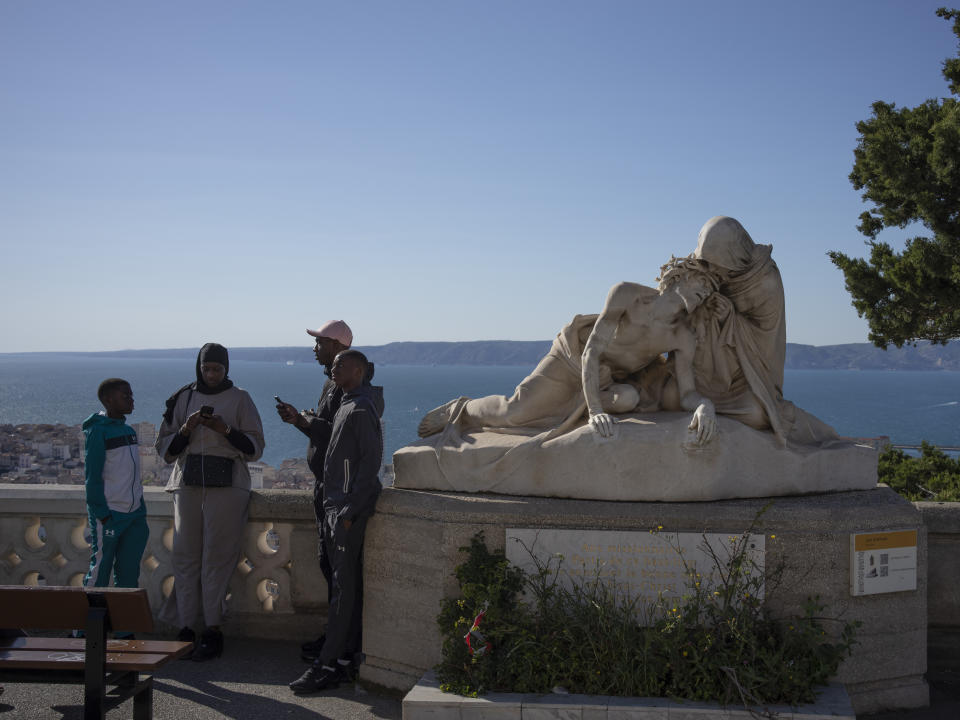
{"type": "Point", "coordinates": [116, 546]}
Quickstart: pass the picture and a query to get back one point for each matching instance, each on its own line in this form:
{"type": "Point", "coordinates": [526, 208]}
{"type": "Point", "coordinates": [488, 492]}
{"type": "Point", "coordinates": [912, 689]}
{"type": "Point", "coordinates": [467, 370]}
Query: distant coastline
{"type": "Point", "coordinates": [851, 356]}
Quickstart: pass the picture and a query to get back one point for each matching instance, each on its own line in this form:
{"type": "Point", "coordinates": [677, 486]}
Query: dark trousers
{"type": "Point", "coordinates": [322, 556]}
{"type": "Point", "coordinates": [344, 551]}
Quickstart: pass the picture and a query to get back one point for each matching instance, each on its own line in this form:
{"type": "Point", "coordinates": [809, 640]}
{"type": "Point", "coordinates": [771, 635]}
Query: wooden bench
{"type": "Point", "coordinates": [92, 660]}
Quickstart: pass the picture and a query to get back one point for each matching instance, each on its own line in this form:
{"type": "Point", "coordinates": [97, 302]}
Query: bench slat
{"type": "Point", "coordinates": [69, 660]}
{"type": "Point", "coordinates": [130, 611]}
{"type": "Point", "coordinates": [65, 607]}
{"type": "Point", "coordinates": [77, 645]}
{"type": "Point", "coordinates": [37, 607]}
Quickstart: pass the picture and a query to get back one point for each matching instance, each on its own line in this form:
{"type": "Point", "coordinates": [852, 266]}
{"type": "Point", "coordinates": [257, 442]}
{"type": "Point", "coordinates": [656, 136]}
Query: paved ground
{"type": "Point", "coordinates": [250, 682]}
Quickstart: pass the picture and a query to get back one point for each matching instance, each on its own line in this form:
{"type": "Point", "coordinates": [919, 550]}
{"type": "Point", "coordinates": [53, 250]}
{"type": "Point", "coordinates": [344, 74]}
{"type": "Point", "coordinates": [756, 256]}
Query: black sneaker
{"type": "Point", "coordinates": [210, 646]}
{"type": "Point", "coordinates": [347, 671]}
{"type": "Point", "coordinates": [316, 679]}
{"type": "Point", "coordinates": [187, 635]}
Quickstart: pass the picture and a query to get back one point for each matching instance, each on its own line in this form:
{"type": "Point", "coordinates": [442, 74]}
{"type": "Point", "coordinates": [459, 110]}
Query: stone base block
{"type": "Point", "coordinates": [413, 545]}
{"type": "Point", "coordinates": [427, 702]}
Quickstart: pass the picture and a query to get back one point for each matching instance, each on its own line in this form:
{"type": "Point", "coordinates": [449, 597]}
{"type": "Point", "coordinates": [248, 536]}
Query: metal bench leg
{"type": "Point", "coordinates": [94, 686]}
{"type": "Point", "coordinates": [143, 701]}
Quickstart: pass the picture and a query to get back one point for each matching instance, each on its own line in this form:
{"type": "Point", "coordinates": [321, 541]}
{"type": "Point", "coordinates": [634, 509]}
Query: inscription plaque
{"type": "Point", "coordinates": [642, 564]}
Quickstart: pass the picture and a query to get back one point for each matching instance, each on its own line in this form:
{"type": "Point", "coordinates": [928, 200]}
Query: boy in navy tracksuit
{"type": "Point", "coordinates": [351, 485]}
{"type": "Point", "coordinates": [115, 507]}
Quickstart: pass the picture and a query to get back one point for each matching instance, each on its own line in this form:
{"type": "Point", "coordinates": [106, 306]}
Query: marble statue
{"type": "Point", "coordinates": [594, 357]}
{"type": "Point", "coordinates": [599, 416]}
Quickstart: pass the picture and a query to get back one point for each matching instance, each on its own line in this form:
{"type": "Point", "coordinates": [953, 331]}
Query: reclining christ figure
{"type": "Point", "coordinates": [596, 363]}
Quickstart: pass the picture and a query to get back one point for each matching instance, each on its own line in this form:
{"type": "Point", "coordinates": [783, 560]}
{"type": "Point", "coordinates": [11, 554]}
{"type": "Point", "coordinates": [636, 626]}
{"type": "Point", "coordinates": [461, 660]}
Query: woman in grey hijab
{"type": "Point", "coordinates": [211, 429]}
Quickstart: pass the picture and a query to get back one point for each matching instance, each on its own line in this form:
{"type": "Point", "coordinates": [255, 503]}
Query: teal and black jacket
{"type": "Point", "coordinates": [112, 467]}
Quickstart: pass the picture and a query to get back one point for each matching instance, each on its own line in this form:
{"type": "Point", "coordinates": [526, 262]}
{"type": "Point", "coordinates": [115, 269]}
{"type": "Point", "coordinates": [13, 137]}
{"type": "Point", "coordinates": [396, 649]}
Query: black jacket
{"type": "Point", "coordinates": [351, 466]}
{"type": "Point", "coordinates": [320, 421]}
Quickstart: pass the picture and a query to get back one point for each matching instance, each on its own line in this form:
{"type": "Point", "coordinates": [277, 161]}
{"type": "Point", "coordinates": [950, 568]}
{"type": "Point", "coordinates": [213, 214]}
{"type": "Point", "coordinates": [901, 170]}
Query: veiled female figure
{"type": "Point", "coordinates": [742, 336]}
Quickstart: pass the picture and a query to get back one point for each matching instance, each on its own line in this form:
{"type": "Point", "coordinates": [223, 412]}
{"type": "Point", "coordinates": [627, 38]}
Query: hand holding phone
{"type": "Point", "coordinates": [206, 411]}
{"type": "Point", "coordinates": [287, 412]}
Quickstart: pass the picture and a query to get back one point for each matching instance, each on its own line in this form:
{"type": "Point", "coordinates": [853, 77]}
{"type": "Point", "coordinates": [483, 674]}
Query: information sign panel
{"type": "Point", "coordinates": [883, 562]}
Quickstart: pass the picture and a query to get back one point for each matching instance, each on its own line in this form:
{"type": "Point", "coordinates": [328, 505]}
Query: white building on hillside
{"type": "Point", "coordinates": [146, 433]}
{"type": "Point", "coordinates": [256, 475]}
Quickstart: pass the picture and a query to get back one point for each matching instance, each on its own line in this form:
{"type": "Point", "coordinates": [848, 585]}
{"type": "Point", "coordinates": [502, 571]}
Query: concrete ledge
{"type": "Point", "coordinates": [427, 702]}
{"type": "Point", "coordinates": [942, 520]}
{"type": "Point", "coordinates": [940, 517]}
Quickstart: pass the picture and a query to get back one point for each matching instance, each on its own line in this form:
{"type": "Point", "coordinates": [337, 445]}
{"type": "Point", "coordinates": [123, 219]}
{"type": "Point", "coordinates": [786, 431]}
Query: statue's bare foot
{"type": "Point", "coordinates": [435, 420]}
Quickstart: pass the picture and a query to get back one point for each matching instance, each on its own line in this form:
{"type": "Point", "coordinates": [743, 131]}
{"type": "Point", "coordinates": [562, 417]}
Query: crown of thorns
{"type": "Point", "coordinates": [677, 269]}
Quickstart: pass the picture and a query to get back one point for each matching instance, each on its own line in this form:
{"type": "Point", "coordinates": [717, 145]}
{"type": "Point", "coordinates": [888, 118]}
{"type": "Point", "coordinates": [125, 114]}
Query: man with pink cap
{"type": "Point", "coordinates": [331, 338]}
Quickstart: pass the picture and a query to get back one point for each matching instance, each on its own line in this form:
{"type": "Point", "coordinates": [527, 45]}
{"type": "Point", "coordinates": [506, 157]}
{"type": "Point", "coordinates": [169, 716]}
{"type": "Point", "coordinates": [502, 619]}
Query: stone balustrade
{"type": "Point", "coordinates": [277, 590]}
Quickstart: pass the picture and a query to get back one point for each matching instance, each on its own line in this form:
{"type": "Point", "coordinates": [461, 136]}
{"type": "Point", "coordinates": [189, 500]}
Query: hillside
{"type": "Point", "coordinates": [865, 356]}
{"type": "Point", "coordinates": [853, 356]}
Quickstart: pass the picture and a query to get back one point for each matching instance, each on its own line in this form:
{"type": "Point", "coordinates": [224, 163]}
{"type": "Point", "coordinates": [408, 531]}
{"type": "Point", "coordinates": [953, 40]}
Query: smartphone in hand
{"type": "Point", "coordinates": [206, 411]}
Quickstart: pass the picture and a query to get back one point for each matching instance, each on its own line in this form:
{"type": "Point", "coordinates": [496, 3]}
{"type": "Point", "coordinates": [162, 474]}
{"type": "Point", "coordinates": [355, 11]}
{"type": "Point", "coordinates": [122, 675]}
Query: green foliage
{"type": "Point", "coordinates": [932, 476]}
{"type": "Point", "coordinates": [717, 642]}
{"type": "Point", "coordinates": [488, 582]}
{"type": "Point", "coordinates": [907, 162]}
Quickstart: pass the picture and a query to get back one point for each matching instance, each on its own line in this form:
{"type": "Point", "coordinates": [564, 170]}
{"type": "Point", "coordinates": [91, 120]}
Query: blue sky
{"type": "Point", "coordinates": [180, 172]}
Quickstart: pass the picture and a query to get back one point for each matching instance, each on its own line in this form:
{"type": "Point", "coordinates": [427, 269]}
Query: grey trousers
{"type": "Point", "coordinates": [208, 525]}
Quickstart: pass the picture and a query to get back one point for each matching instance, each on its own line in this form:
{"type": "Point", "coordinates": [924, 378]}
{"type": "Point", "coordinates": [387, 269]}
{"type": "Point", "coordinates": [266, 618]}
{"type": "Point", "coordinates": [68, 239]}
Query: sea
{"type": "Point", "coordinates": [906, 406]}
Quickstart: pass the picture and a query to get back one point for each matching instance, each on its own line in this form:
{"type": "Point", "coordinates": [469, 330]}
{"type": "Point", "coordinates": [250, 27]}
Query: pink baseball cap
{"type": "Point", "coordinates": [335, 330]}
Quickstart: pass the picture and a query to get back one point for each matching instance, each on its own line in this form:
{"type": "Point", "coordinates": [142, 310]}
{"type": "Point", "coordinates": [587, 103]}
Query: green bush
{"type": "Point", "coordinates": [932, 476]}
{"type": "Point", "coordinates": [716, 643]}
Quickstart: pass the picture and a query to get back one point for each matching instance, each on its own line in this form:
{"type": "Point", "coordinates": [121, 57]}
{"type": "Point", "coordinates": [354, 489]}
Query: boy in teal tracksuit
{"type": "Point", "coordinates": [115, 507]}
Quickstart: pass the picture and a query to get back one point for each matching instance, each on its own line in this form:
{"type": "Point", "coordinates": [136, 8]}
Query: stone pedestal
{"type": "Point", "coordinates": [413, 541]}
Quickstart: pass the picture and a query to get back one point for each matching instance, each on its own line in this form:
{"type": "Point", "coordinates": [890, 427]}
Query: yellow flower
{"type": "Point", "coordinates": [773, 537]}
{"type": "Point", "coordinates": [684, 653]}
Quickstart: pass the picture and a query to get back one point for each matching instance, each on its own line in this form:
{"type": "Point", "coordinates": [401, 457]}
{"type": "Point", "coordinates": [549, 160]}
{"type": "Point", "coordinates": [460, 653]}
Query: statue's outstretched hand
{"type": "Point", "coordinates": [602, 423]}
{"type": "Point", "coordinates": [704, 422]}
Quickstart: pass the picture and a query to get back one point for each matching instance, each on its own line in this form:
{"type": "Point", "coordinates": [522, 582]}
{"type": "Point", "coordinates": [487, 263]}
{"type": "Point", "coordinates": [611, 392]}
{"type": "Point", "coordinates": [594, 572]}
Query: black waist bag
{"type": "Point", "coordinates": [208, 471]}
